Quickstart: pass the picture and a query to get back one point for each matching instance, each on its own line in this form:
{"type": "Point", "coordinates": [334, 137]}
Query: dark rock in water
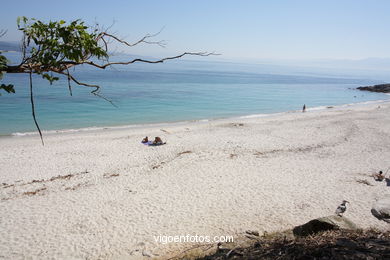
{"type": "Point", "coordinates": [323, 224]}
{"type": "Point", "coordinates": [381, 209]}
{"type": "Point", "coordinates": [383, 88]}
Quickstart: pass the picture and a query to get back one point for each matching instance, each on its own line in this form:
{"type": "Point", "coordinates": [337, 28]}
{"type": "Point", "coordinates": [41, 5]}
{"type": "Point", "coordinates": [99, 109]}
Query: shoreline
{"type": "Point", "coordinates": [177, 123]}
{"type": "Point", "coordinates": [112, 195]}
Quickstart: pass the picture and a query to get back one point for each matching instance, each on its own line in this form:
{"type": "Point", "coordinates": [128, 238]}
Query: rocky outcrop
{"type": "Point", "coordinates": [381, 209]}
{"type": "Point", "coordinates": [383, 88]}
{"type": "Point", "coordinates": [323, 224]}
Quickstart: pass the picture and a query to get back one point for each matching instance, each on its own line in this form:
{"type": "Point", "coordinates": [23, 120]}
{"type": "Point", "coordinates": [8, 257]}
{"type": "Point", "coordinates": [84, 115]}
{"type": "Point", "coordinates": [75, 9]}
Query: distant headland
{"type": "Point", "coordinates": [384, 88]}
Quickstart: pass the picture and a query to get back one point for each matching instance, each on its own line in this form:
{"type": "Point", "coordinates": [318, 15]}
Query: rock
{"type": "Point", "coordinates": [323, 224]}
{"type": "Point", "coordinates": [384, 88]}
{"type": "Point", "coordinates": [381, 209]}
{"type": "Point", "coordinates": [146, 253]}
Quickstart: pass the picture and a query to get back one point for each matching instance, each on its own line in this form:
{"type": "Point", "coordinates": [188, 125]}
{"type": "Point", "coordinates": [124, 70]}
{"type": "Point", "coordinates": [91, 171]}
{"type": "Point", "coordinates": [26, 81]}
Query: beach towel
{"type": "Point", "coordinates": [158, 144]}
{"type": "Point", "coordinates": [150, 143]}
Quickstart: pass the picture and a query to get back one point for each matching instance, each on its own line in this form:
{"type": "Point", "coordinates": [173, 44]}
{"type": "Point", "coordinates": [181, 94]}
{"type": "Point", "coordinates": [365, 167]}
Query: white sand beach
{"type": "Point", "coordinates": [104, 195]}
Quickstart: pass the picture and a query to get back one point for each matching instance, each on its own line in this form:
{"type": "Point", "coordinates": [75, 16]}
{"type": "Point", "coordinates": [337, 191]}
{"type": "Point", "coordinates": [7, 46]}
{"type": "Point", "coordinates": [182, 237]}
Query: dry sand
{"type": "Point", "coordinates": [104, 195]}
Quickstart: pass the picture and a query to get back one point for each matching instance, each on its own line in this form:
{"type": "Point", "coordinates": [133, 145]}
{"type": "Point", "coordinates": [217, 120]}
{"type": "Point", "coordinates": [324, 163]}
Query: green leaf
{"type": "Point", "coordinates": [50, 78]}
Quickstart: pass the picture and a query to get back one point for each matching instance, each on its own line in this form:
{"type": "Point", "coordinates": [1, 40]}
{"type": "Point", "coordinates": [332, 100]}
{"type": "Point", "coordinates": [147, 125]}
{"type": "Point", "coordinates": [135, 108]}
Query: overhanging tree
{"type": "Point", "coordinates": [52, 49]}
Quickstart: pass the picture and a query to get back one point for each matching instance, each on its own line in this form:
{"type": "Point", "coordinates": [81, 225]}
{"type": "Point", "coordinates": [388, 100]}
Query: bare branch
{"type": "Point", "coordinates": [69, 86]}
{"type": "Point", "coordinates": [2, 32]}
{"type": "Point", "coordinates": [105, 44]}
{"type": "Point", "coordinates": [65, 65]}
{"type": "Point", "coordinates": [33, 108]}
{"type": "Point", "coordinates": [94, 92]}
{"type": "Point", "coordinates": [109, 27]}
{"type": "Point", "coordinates": [103, 66]}
{"type": "Point", "coordinates": [142, 40]}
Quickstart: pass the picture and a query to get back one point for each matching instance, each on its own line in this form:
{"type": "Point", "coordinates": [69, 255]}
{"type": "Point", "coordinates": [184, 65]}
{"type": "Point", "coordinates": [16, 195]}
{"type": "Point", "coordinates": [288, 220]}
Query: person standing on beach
{"type": "Point", "coordinates": [304, 108]}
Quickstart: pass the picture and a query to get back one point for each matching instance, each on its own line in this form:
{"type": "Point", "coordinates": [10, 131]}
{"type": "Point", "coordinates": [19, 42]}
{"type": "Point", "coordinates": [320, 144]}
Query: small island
{"type": "Point", "coordinates": [383, 88]}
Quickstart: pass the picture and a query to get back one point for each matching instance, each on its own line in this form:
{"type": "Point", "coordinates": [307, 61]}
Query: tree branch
{"type": "Point", "coordinates": [69, 64]}
{"type": "Point", "coordinates": [69, 86]}
{"type": "Point", "coordinates": [94, 92]}
{"type": "Point", "coordinates": [33, 108]}
{"type": "Point", "coordinates": [142, 40]}
{"type": "Point", "coordinates": [103, 66]}
{"type": "Point", "coordinates": [2, 32]}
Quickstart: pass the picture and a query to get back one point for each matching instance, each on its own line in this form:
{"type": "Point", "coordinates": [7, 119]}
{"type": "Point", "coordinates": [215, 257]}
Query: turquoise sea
{"type": "Point", "coordinates": [180, 90]}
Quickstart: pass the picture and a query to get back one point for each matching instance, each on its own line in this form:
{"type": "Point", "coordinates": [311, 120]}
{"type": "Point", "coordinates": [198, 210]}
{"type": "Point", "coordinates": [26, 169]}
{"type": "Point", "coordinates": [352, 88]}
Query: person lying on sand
{"type": "Point", "coordinates": [158, 141]}
{"type": "Point", "coordinates": [379, 176]}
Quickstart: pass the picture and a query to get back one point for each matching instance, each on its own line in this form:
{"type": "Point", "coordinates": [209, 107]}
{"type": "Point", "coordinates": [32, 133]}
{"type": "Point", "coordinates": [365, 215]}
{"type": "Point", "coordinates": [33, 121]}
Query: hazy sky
{"type": "Point", "coordinates": [274, 29]}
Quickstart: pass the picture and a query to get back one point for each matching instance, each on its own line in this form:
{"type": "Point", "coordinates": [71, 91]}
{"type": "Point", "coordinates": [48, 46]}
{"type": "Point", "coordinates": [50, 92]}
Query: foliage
{"type": "Point", "coordinates": [3, 65]}
{"type": "Point", "coordinates": [56, 43]}
{"type": "Point", "coordinates": [8, 88]}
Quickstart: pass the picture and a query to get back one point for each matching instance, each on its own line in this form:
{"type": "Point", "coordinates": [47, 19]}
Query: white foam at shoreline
{"type": "Point", "coordinates": [97, 128]}
{"type": "Point", "coordinates": [63, 131]}
{"type": "Point", "coordinates": [319, 108]}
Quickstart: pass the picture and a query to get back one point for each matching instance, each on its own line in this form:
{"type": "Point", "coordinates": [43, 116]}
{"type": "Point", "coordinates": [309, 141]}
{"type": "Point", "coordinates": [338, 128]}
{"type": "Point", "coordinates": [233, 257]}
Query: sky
{"type": "Point", "coordinates": [247, 29]}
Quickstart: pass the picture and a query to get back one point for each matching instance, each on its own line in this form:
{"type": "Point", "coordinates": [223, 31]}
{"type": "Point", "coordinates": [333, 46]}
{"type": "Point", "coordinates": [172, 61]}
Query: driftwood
{"type": "Point", "coordinates": [339, 244]}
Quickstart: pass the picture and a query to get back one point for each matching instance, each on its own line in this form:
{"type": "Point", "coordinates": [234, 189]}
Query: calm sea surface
{"type": "Point", "coordinates": [166, 93]}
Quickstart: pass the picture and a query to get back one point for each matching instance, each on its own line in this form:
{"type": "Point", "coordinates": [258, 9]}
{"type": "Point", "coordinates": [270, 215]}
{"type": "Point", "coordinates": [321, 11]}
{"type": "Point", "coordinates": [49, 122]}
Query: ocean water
{"type": "Point", "coordinates": [182, 90]}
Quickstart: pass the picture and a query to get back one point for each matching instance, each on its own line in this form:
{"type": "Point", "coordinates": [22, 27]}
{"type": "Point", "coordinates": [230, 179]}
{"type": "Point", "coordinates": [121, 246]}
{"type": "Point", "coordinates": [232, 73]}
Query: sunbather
{"type": "Point", "coordinates": [145, 140]}
{"type": "Point", "coordinates": [379, 176]}
{"type": "Point", "coordinates": [157, 141]}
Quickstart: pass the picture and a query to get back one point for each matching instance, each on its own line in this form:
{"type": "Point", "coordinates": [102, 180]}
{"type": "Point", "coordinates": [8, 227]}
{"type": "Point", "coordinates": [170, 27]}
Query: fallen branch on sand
{"type": "Point", "coordinates": [364, 182]}
{"type": "Point", "coordinates": [31, 193]}
{"type": "Point", "coordinates": [107, 175]}
{"type": "Point", "coordinates": [58, 177]}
